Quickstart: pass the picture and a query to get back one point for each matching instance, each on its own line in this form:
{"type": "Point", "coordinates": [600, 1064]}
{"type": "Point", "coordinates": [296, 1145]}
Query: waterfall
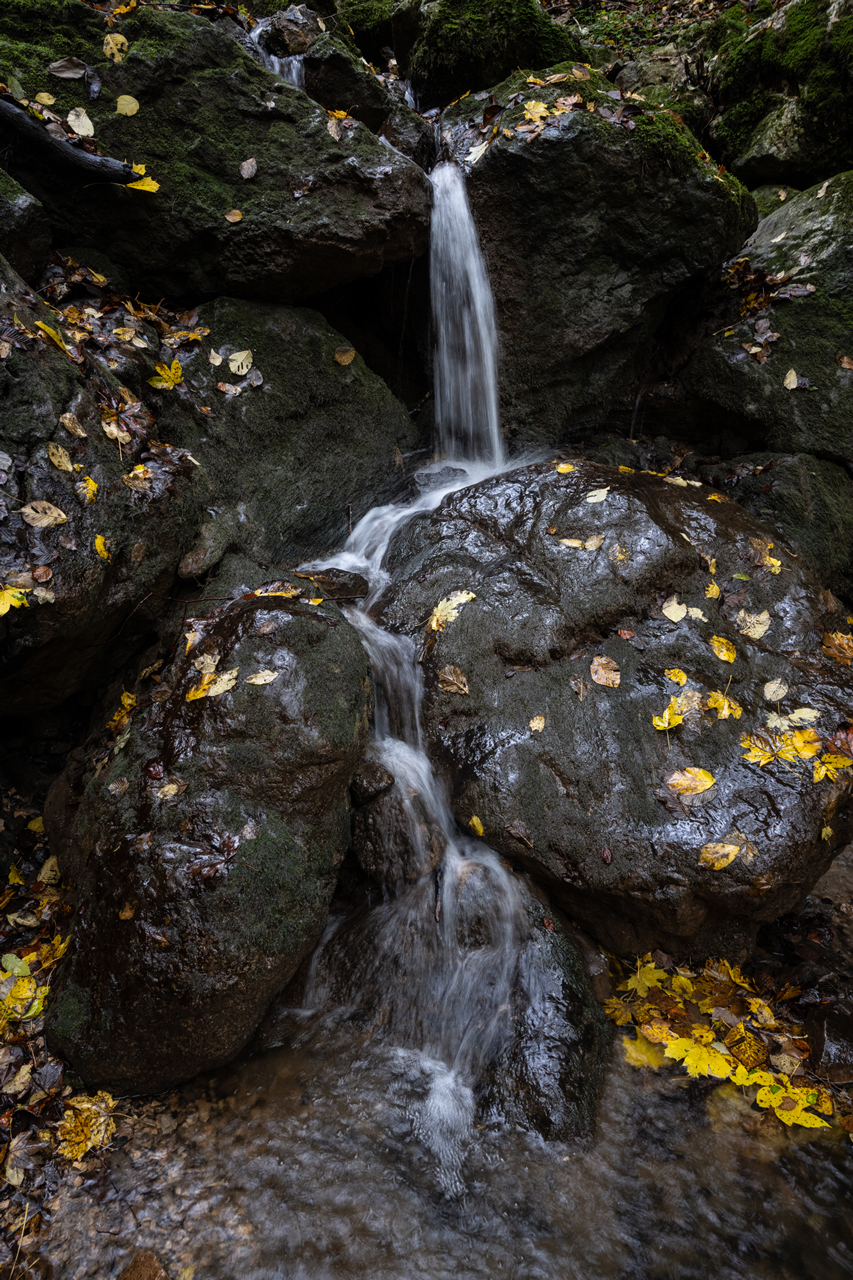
{"type": "Point", "coordinates": [444, 952]}
{"type": "Point", "coordinates": [466, 395]}
{"type": "Point", "coordinates": [290, 69]}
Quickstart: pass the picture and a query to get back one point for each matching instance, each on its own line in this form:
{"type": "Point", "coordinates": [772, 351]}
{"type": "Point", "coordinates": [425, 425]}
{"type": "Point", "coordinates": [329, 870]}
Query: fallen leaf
{"type": "Point", "coordinates": [127, 912]}
{"type": "Point", "coordinates": [36, 824]}
{"type": "Point", "coordinates": [233, 215]}
{"type": "Point", "coordinates": [673, 610]}
{"type": "Point", "coordinates": [115, 46]}
{"type": "Point", "coordinates": [724, 706]}
{"type": "Point", "coordinates": [717, 497]}
{"type": "Point", "coordinates": [642, 1053]}
{"type": "Point", "coordinates": [537, 724]}
{"type": "Point", "coordinates": [240, 362]}
{"type": "Point", "coordinates": [801, 716]}
{"type": "Point", "coordinates": [223, 682]}
{"type": "Point", "coordinates": [114, 432]}
{"type": "Point", "coordinates": [228, 388]}
{"type": "Point", "coordinates": [138, 479]}
{"type": "Point", "coordinates": [690, 781]}
{"type": "Point", "coordinates": [699, 1059]}
{"type": "Point", "coordinates": [144, 184]}
{"type": "Point", "coordinates": [80, 122]}
{"type": "Point", "coordinates": [87, 1125]}
{"type": "Point", "coordinates": [167, 377]}
{"type": "Point", "coordinates": [476, 826]}
{"type": "Point", "coordinates": [570, 542]}
{"type": "Point", "coordinates": [617, 554]}
{"type": "Point", "coordinates": [68, 68]}
{"type": "Point", "coordinates": [451, 680]}
{"type": "Point", "coordinates": [712, 591]}
{"type": "Point", "coordinates": [754, 625]}
{"type": "Point", "coordinates": [535, 111]}
{"type": "Point", "coordinates": [775, 690]}
{"type": "Point", "coordinates": [55, 336]}
{"type": "Point", "coordinates": [605, 671]}
{"type": "Point", "coordinates": [719, 855]}
{"type": "Point", "coordinates": [475, 154]}
{"type": "Point", "coordinates": [101, 546]}
{"type": "Point", "coordinates": [564, 467]}
{"type": "Point", "coordinates": [12, 598]}
{"type": "Point", "coordinates": [597, 495]}
{"type": "Point", "coordinates": [790, 381]}
{"type": "Point", "coordinates": [126, 105]}
{"type": "Point", "coordinates": [676, 675]}
{"type": "Point", "coordinates": [836, 644]}
{"type": "Point", "coordinates": [41, 515]}
{"type": "Point", "coordinates": [70, 423]}
{"type": "Point", "coordinates": [215, 358]}
{"type": "Point", "coordinates": [206, 663]}
{"type": "Point", "coordinates": [168, 791]}
{"type": "Point", "coordinates": [447, 610]}
{"type": "Point", "coordinates": [118, 787]}
{"type": "Point", "coordinates": [724, 649]}
{"type": "Point", "coordinates": [59, 457]}
{"type": "Point", "coordinates": [829, 766]}
{"type": "Point", "coordinates": [669, 719]}
{"type": "Point", "coordinates": [45, 99]}
{"type": "Point", "coordinates": [844, 361]}
{"type": "Point", "coordinates": [263, 677]}
{"type": "Point", "coordinates": [647, 976]}
{"type": "Point", "coordinates": [345, 355]}
{"type": "Point", "coordinates": [248, 169]}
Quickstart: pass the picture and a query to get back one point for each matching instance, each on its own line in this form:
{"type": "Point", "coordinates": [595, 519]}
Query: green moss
{"type": "Point", "coordinates": [664, 142]}
{"type": "Point", "coordinates": [470, 44]}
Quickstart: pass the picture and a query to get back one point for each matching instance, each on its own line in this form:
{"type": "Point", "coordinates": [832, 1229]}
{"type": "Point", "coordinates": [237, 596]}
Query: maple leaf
{"type": "Point", "coordinates": [839, 646]}
{"type": "Point", "coordinates": [712, 591]}
{"type": "Point", "coordinates": [724, 706]}
{"type": "Point", "coordinates": [87, 1125]}
{"type": "Point", "coordinates": [647, 976]}
{"type": "Point", "coordinates": [447, 610]}
{"type": "Point", "coordinates": [535, 111]}
{"type": "Point", "coordinates": [617, 1012]}
{"type": "Point", "coordinates": [167, 378]}
{"type": "Point", "coordinates": [749, 1049]}
{"type": "Point", "coordinates": [699, 1059]}
{"type": "Point", "coordinates": [829, 766]}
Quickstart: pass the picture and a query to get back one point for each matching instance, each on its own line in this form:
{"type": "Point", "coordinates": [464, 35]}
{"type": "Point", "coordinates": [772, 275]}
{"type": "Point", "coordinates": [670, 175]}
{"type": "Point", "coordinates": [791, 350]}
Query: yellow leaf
{"type": "Point", "coordinates": [712, 591]}
{"type": "Point", "coordinates": [80, 122]}
{"type": "Point", "coordinates": [233, 215]}
{"type": "Point", "coordinates": [54, 335]}
{"type": "Point", "coordinates": [605, 671]}
{"type": "Point", "coordinates": [476, 826]}
{"type": "Point", "coordinates": [829, 766]}
{"type": "Point", "coordinates": [564, 467]}
{"type": "Point", "coordinates": [115, 47]}
{"type": "Point", "coordinates": [537, 724]}
{"type": "Point", "coordinates": [617, 1012]}
{"type": "Point", "coordinates": [52, 952]}
{"type": "Point", "coordinates": [41, 515]}
{"type": "Point", "coordinates": [86, 490]}
{"type": "Point", "coordinates": [658, 1031]}
{"type": "Point", "coordinates": [102, 548]}
{"type": "Point", "coordinates": [690, 782]}
{"type": "Point", "coordinates": [200, 690]}
{"type": "Point", "coordinates": [139, 478]}
{"type": "Point", "coordinates": [59, 457]}
{"type": "Point", "coordinates": [447, 610]}
{"type": "Point", "coordinates": [677, 675]}
{"type": "Point", "coordinates": [240, 362]}
{"type": "Point", "coordinates": [344, 355]}
{"type": "Point", "coordinates": [838, 645]}
{"type": "Point", "coordinates": [13, 598]}
{"type": "Point", "coordinates": [724, 706]}
{"type": "Point", "coordinates": [673, 610]}
{"type": "Point", "coordinates": [126, 105]}
{"type": "Point", "coordinates": [642, 1053]}
{"type": "Point", "coordinates": [70, 423]}
{"type": "Point", "coordinates": [45, 99]}
{"type": "Point", "coordinates": [717, 856]}
{"type": "Point", "coordinates": [535, 111]}
{"type": "Point", "coordinates": [717, 497]}
{"type": "Point", "coordinates": [277, 589]}
{"type": "Point", "coordinates": [86, 1126]}
{"type": "Point", "coordinates": [263, 677]}
{"type": "Point", "coordinates": [699, 1059]}
{"type": "Point", "coordinates": [806, 742]}
{"type": "Point", "coordinates": [15, 876]}
{"type": "Point", "coordinates": [338, 115]}
{"type": "Point", "coordinates": [452, 680]}
{"type": "Point", "coordinates": [169, 790]}
{"type": "Point", "coordinates": [648, 975]}
{"type": "Point", "coordinates": [790, 380]}
{"type": "Point", "coordinates": [669, 719]}
{"type": "Point", "coordinates": [724, 649]}
{"type": "Point", "coordinates": [167, 378]}
{"type": "Point", "coordinates": [223, 682]}
{"type": "Point", "coordinates": [37, 824]}
{"type": "Point", "coordinates": [627, 470]}
{"type": "Point", "coordinates": [20, 997]}
{"type": "Point", "coordinates": [144, 184]}
{"type": "Point", "coordinates": [775, 690]}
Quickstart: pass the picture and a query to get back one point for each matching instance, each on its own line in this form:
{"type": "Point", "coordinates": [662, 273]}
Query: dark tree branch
{"type": "Point", "coordinates": [34, 147]}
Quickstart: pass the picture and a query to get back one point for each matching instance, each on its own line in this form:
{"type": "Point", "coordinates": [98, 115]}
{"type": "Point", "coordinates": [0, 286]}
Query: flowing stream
{"type": "Point", "coordinates": [356, 1151]}
{"type": "Point", "coordinates": [291, 69]}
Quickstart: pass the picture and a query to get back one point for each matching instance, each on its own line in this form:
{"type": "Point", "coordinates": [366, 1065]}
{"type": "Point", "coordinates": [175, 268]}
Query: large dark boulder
{"type": "Point", "coordinates": [25, 233]}
{"type": "Point", "coordinates": [318, 211]}
{"type": "Point", "coordinates": [598, 231]}
{"type": "Point", "coordinates": [569, 777]}
{"type": "Point", "coordinates": [204, 837]}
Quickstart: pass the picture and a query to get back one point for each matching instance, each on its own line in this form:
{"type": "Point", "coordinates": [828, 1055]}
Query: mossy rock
{"type": "Point", "coordinates": [591, 231]}
{"type": "Point", "coordinates": [453, 46]}
{"type": "Point", "coordinates": [806, 239]}
{"type": "Point", "coordinates": [786, 92]}
{"type": "Point", "coordinates": [318, 211]}
{"type": "Point", "coordinates": [205, 854]}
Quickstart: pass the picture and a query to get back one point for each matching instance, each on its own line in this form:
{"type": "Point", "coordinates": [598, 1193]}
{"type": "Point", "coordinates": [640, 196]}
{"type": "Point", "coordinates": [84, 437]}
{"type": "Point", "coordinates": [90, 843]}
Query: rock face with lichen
{"type": "Point", "coordinates": [596, 227]}
{"type": "Point", "coordinates": [601, 597]}
{"type": "Point", "coordinates": [318, 212]}
{"type": "Point", "coordinates": [205, 843]}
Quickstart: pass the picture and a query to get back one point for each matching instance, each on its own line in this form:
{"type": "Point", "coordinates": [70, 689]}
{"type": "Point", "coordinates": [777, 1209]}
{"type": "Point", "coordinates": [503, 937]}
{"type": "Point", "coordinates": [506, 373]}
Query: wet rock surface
{"type": "Point", "coordinates": [24, 230]}
{"type": "Point", "coordinates": [582, 290]}
{"type": "Point", "coordinates": [205, 843]}
{"type": "Point", "coordinates": [318, 212]}
{"type": "Point", "coordinates": [582, 799]}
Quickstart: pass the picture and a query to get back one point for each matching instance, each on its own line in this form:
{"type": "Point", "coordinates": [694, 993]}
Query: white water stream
{"type": "Point", "coordinates": [290, 69]}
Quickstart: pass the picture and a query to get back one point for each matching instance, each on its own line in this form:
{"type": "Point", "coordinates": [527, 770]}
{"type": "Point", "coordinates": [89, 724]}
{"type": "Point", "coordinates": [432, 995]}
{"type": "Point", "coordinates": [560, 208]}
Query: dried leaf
{"type": "Point", "coordinates": [447, 610]}
{"type": "Point", "coordinates": [115, 46]}
{"type": "Point", "coordinates": [206, 663]}
{"type": "Point", "coordinates": [605, 671]}
{"type": "Point", "coordinates": [712, 591]}
{"type": "Point", "coordinates": [535, 111]}
{"type": "Point", "coordinates": [790, 381]}
{"type": "Point", "coordinates": [126, 105]}
{"type": "Point", "coordinates": [68, 68]}
{"type": "Point", "coordinates": [228, 388]}
{"type": "Point", "coordinates": [240, 363]}
{"type": "Point", "coordinates": [223, 682]}
{"type": "Point", "coordinates": [597, 495]}
{"type": "Point", "coordinates": [138, 479]}
{"type": "Point", "coordinates": [838, 645]}
{"type": "Point", "coordinates": [59, 457]}
{"type": "Point", "coordinates": [248, 169]}
{"type": "Point", "coordinates": [80, 122]}
{"type": "Point", "coordinates": [690, 781]}
{"type": "Point", "coordinates": [754, 625]}
{"type": "Point", "coordinates": [537, 724]}
{"type": "Point", "coordinates": [70, 423]}
{"type": "Point", "coordinates": [215, 358]}
{"type": "Point", "coordinates": [451, 680]}
{"type": "Point", "coordinates": [775, 690]}
{"type": "Point", "coordinates": [41, 515]}
{"type": "Point", "coordinates": [233, 215]}
{"type": "Point", "coordinates": [719, 855]}
{"type": "Point", "coordinates": [673, 610]}
{"type": "Point", "coordinates": [696, 614]}
{"type": "Point", "coordinates": [724, 649]}
{"type": "Point", "coordinates": [86, 1126]}
{"type": "Point", "coordinates": [263, 677]}
{"type": "Point", "coordinates": [45, 99]}
{"type": "Point", "coordinates": [345, 355]}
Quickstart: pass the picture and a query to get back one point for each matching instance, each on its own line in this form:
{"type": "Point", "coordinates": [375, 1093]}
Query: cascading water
{"type": "Point", "coordinates": [445, 1001]}
{"type": "Point", "coordinates": [290, 69]}
{"type": "Point", "coordinates": [466, 395]}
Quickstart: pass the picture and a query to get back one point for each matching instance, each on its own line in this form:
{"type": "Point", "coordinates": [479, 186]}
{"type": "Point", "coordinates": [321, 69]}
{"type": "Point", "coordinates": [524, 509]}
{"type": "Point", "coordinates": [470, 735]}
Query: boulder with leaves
{"type": "Point", "coordinates": [658, 696]}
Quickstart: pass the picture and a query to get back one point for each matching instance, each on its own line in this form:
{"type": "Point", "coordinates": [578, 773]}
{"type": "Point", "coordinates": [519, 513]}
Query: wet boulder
{"type": "Point", "coordinates": [781, 363]}
{"type": "Point", "coordinates": [598, 221]}
{"type": "Point", "coordinates": [204, 835]}
{"type": "Point", "coordinates": [655, 689]}
{"type": "Point", "coordinates": [454, 46]}
{"type": "Point", "coordinates": [25, 232]}
{"type": "Point", "coordinates": [317, 211]}
{"type": "Point", "coordinates": [86, 542]}
{"type": "Point", "coordinates": [783, 88]}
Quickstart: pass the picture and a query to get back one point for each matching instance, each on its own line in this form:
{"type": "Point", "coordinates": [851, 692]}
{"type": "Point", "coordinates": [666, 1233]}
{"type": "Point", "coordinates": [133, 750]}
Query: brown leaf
{"type": "Point", "coordinates": [452, 680]}
{"type": "Point", "coordinates": [233, 215]}
{"type": "Point", "coordinates": [345, 355]}
{"type": "Point", "coordinates": [248, 169]}
{"type": "Point", "coordinates": [605, 671]}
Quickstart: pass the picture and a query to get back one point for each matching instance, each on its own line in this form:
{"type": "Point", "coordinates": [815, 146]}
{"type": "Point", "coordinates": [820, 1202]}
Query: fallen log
{"type": "Point", "coordinates": [32, 146]}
